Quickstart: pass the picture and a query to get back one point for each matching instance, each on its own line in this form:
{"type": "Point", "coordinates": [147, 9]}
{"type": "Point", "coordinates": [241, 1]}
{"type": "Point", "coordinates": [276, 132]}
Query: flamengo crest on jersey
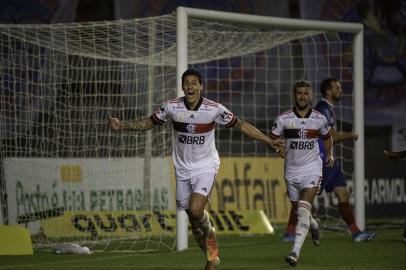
{"type": "Point", "coordinates": [193, 141]}
{"type": "Point", "coordinates": [301, 134]}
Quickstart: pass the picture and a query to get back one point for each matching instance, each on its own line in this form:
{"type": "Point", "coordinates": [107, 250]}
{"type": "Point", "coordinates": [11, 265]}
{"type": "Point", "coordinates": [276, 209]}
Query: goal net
{"type": "Point", "coordinates": [68, 178]}
{"type": "Point", "coordinates": [254, 76]}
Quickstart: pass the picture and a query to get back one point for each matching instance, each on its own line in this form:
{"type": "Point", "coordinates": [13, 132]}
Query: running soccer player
{"type": "Point", "coordinates": [333, 179]}
{"type": "Point", "coordinates": [301, 127]}
{"type": "Point", "coordinates": [397, 155]}
{"type": "Point", "coordinates": [194, 153]}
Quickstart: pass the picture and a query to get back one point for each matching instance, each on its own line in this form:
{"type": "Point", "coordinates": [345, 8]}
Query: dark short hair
{"type": "Point", "coordinates": [194, 72]}
{"type": "Point", "coordinates": [325, 84]}
{"type": "Point", "coordinates": [302, 83]}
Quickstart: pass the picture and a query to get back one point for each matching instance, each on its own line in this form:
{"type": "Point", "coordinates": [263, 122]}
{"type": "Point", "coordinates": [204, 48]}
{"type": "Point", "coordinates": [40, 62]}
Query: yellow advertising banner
{"type": "Point", "coordinates": [93, 224]}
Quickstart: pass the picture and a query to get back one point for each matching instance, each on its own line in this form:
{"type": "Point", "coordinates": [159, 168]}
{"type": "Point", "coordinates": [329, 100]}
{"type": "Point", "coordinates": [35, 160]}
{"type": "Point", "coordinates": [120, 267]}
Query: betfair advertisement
{"type": "Point", "coordinates": [247, 184]}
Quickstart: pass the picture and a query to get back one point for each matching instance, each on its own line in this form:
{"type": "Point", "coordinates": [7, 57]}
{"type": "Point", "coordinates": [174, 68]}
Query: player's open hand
{"type": "Point", "coordinates": [114, 123]}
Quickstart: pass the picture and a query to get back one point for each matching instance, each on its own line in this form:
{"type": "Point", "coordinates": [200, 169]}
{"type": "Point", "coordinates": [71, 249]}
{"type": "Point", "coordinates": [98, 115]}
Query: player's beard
{"type": "Point", "coordinates": [337, 98]}
{"type": "Point", "coordinates": [302, 107]}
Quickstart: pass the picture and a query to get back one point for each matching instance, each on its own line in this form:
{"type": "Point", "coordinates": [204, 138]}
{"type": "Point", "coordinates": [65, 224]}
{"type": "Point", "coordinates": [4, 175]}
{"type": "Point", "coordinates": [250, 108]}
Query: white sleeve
{"type": "Point", "coordinates": [161, 114]}
{"type": "Point", "coordinates": [225, 117]}
{"type": "Point", "coordinates": [277, 128]}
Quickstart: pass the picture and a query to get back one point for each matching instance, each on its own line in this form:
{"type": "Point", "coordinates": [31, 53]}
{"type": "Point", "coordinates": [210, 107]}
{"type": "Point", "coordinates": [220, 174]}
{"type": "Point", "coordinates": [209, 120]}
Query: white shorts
{"type": "Point", "coordinates": [295, 185]}
{"type": "Point", "coordinates": [201, 182]}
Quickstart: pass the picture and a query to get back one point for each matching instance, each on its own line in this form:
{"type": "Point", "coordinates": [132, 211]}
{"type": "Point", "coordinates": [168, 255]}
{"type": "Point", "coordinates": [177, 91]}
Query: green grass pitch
{"type": "Point", "coordinates": [337, 251]}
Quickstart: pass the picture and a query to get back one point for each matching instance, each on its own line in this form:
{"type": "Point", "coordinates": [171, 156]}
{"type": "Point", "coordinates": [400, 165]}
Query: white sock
{"type": "Point", "coordinates": [302, 227]}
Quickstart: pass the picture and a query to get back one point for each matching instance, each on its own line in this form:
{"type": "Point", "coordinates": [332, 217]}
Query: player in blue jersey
{"type": "Point", "coordinates": [333, 178]}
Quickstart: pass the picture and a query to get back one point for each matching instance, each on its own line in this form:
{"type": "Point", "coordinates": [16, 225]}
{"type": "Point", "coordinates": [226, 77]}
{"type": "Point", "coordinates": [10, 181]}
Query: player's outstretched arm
{"type": "Point", "coordinates": [394, 155]}
{"type": "Point", "coordinates": [138, 125]}
{"type": "Point", "coordinates": [252, 132]}
{"type": "Point", "coordinates": [343, 136]}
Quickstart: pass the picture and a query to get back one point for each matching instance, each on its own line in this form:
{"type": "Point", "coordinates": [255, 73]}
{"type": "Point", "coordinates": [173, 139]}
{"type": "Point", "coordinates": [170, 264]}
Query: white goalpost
{"type": "Point", "coordinates": [282, 24]}
{"type": "Point", "coordinates": [68, 178]}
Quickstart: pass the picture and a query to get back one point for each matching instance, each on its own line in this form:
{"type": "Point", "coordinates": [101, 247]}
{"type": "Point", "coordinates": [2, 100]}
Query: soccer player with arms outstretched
{"type": "Point", "coordinates": [333, 178]}
{"type": "Point", "coordinates": [397, 155]}
{"type": "Point", "coordinates": [194, 153]}
{"type": "Point", "coordinates": [301, 127]}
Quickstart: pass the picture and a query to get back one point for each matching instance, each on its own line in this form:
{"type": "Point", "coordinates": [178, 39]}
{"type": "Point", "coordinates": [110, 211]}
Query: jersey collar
{"type": "Point", "coordinates": [197, 106]}
{"type": "Point", "coordinates": [328, 102]}
{"type": "Point", "coordinates": [298, 114]}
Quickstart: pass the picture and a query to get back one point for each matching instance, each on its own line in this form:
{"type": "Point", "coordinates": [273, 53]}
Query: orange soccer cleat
{"type": "Point", "coordinates": [212, 251]}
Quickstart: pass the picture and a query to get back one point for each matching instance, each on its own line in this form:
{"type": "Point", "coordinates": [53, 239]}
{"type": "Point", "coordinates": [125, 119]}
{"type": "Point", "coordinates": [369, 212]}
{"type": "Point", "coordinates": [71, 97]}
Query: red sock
{"type": "Point", "coordinates": [291, 227]}
{"type": "Point", "coordinates": [348, 216]}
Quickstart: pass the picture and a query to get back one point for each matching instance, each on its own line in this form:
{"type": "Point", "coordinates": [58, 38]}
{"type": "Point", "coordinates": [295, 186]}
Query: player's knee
{"type": "Point", "coordinates": [196, 213]}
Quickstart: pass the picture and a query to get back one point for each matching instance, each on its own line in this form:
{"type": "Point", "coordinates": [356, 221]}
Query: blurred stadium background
{"type": "Point", "coordinates": [384, 74]}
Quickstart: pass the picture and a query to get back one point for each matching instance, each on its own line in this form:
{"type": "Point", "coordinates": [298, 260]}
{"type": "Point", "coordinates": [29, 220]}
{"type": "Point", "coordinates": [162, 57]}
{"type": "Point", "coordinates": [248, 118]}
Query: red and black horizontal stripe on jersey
{"type": "Point", "coordinates": [296, 133]}
{"type": "Point", "coordinates": [325, 137]}
{"type": "Point", "coordinates": [274, 136]}
{"type": "Point", "coordinates": [232, 122]}
{"type": "Point", "coordinates": [193, 128]}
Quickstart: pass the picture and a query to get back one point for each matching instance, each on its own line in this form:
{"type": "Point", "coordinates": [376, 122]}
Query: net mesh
{"type": "Point", "coordinates": [60, 83]}
{"type": "Point", "coordinates": [257, 86]}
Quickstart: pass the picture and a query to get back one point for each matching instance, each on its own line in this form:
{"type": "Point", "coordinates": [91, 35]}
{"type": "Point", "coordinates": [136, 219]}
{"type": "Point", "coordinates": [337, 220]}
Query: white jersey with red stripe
{"type": "Point", "coordinates": [301, 134]}
{"type": "Point", "coordinates": [193, 137]}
